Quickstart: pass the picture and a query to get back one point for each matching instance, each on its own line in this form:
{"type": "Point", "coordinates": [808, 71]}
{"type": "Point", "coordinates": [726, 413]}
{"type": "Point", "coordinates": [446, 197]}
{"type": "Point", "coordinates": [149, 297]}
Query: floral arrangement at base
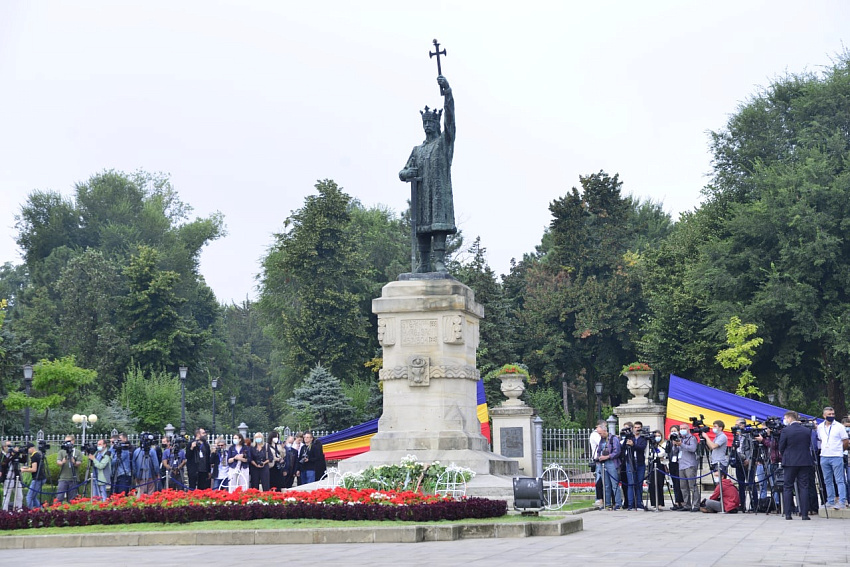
{"type": "Point", "coordinates": [636, 367]}
{"type": "Point", "coordinates": [512, 369]}
{"type": "Point", "coordinates": [410, 474]}
{"type": "Point", "coordinates": [172, 506]}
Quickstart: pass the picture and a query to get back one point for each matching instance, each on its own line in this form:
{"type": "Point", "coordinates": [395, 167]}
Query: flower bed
{"type": "Point", "coordinates": [409, 475]}
{"type": "Point", "coordinates": [171, 506]}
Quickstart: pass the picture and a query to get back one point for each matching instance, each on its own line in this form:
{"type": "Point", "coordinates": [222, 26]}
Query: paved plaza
{"type": "Point", "coordinates": [609, 538]}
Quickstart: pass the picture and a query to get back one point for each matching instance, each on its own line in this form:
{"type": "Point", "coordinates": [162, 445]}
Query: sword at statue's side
{"type": "Point", "coordinates": [413, 190]}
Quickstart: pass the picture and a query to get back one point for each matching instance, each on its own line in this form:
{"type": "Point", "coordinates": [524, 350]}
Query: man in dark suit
{"type": "Point", "coordinates": [795, 445]}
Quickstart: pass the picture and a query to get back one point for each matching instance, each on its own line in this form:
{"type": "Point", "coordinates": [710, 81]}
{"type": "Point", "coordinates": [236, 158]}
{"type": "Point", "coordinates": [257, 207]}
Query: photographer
{"type": "Point", "coordinates": [658, 467]}
{"type": "Point", "coordinates": [69, 462]}
{"type": "Point", "coordinates": [717, 459]}
{"type": "Point", "coordinates": [742, 460]}
{"type": "Point", "coordinates": [688, 469]}
{"type": "Point", "coordinates": [219, 469]}
{"type": "Point", "coordinates": [174, 461]}
{"type": "Point", "coordinates": [594, 439]}
{"type": "Point", "coordinates": [671, 447]}
{"type": "Point", "coordinates": [145, 465]}
{"type": "Point", "coordinates": [38, 470]}
{"type": "Point", "coordinates": [237, 459]}
{"type": "Point", "coordinates": [608, 457]}
{"type": "Point", "coordinates": [102, 463]}
{"type": "Point", "coordinates": [770, 440]}
{"type": "Point", "coordinates": [198, 465]}
{"type": "Point", "coordinates": [11, 473]}
{"type": "Point", "coordinates": [629, 440]}
{"type": "Point", "coordinates": [121, 454]}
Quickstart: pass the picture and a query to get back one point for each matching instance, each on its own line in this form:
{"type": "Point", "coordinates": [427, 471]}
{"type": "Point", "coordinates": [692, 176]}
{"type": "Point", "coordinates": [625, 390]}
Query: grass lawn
{"type": "Point", "coordinates": [277, 524]}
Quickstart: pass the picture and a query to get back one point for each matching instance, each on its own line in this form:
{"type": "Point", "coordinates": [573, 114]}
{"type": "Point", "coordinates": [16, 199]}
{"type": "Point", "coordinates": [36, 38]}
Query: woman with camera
{"type": "Point", "coordinates": [261, 457]}
{"type": "Point", "coordinates": [672, 449]}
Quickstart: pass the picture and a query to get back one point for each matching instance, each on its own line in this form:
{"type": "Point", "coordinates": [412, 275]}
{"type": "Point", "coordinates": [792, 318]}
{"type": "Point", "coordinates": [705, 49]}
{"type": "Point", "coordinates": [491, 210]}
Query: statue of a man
{"type": "Point", "coordinates": [430, 166]}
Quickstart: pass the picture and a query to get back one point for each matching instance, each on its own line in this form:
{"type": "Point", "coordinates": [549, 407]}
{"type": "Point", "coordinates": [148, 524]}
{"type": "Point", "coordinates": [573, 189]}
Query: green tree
{"type": "Point", "coordinates": [152, 397]}
{"type": "Point", "coordinates": [739, 354]}
{"type": "Point", "coordinates": [54, 381]}
{"type": "Point", "coordinates": [309, 286]}
{"type": "Point", "coordinates": [323, 395]}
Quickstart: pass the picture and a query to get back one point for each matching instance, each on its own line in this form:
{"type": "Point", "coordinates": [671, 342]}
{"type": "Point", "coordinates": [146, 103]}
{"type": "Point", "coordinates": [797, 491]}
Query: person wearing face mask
{"type": "Point", "coordinates": [795, 446]}
{"type": "Point", "coordinates": [657, 468]}
{"type": "Point", "coordinates": [833, 441]}
{"type": "Point", "coordinates": [717, 459]}
{"type": "Point", "coordinates": [278, 452]}
{"type": "Point", "coordinates": [688, 469]}
{"type": "Point", "coordinates": [290, 462]}
{"type": "Point", "coordinates": [725, 497]}
{"type": "Point", "coordinates": [261, 457]}
{"type": "Point", "coordinates": [102, 462]}
{"type": "Point", "coordinates": [671, 447]}
{"type": "Point", "coordinates": [219, 468]}
{"type": "Point", "coordinates": [237, 460]}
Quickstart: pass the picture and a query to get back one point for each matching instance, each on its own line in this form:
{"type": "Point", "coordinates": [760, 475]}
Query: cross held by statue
{"type": "Point", "coordinates": [437, 52]}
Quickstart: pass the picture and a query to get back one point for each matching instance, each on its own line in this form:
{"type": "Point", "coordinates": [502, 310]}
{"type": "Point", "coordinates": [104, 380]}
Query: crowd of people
{"type": "Point", "coordinates": [181, 463]}
{"type": "Point", "coordinates": [775, 467]}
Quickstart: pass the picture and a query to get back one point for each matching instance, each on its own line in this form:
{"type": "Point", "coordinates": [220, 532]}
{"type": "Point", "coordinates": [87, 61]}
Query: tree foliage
{"type": "Point", "coordinates": [322, 394]}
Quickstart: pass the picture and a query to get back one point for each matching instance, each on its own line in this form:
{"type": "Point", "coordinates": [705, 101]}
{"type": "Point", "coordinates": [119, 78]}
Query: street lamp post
{"type": "Point", "coordinates": [27, 384]}
{"type": "Point", "coordinates": [183, 371]}
{"type": "Point", "coordinates": [84, 422]}
{"type": "Point", "coordinates": [214, 387]}
{"type": "Point", "coordinates": [233, 412]}
{"type": "Point", "coordinates": [598, 388]}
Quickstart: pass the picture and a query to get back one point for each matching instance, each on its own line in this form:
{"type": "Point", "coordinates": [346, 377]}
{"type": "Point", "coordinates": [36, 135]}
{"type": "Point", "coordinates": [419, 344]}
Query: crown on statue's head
{"type": "Point", "coordinates": [431, 115]}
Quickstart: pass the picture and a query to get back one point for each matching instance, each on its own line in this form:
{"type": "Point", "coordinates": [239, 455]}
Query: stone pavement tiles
{"type": "Point", "coordinates": [609, 538]}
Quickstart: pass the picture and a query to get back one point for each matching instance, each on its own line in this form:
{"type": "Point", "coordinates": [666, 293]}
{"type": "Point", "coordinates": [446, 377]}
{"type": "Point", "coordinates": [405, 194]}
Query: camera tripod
{"type": "Point", "coordinates": [13, 485]}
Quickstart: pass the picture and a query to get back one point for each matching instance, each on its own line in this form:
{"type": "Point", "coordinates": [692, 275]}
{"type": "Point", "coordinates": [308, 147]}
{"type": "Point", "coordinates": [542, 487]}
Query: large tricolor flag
{"type": "Point", "coordinates": [688, 399]}
{"type": "Point", "coordinates": [355, 440]}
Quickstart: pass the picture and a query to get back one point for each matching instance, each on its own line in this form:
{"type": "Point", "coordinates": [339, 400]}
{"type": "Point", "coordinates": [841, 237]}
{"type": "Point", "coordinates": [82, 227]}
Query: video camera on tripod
{"type": "Point", "coordinates": [89, 448]}
{"type": "Point", "coordinates": [698, 425]}
{"type": "Point", "coordinates": [180, 442]}
{"type": "Point", "coordinates": [44, 446]}
{"type": "Point", "coordinates": [147, 440]}
{"type": "Point", "coordinates": [17, 454]}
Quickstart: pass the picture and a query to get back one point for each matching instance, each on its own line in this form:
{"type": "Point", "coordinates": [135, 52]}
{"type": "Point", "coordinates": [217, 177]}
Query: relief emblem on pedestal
{"type": "Point", "coordinates": [418, 371]}
{"type": "Point", "coordinates": [453, 329]}
{"type": "Point", "coordinates": [419, 332]}
{"type": "Point", "coordinates": [386, 331]}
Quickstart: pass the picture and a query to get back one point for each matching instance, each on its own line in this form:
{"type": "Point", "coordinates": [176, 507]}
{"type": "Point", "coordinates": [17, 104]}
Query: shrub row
{"type": "Point", "coordinates": [449, 510]}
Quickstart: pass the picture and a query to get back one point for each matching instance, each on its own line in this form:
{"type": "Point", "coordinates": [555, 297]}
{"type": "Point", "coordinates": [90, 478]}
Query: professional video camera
{"type": "Point", "coordinates": [179, 442]}
{"type": "Point", "coordinates": [675, 436]}
{"type": "Point", "coordinates": [746, 430]}
{"type": "Point", "coordinates": [43, 446]}
{"type": "Point", "coordinates": [17, 454]}
{"type": "Point", "coordinates": [774, 423]}
{"type": "Point", "coordinates": [810, 423]}
{"type": "Point", "coordinates": [89, 448]}
{"type": "Point", "coordinates": [627, 433]}
{"type": "Point", "coordinates": [67, 446]}
{"type": "Point", "coordinates": [119, 446]}
{"type": "Point", "coordinates": [698, 425]}
{"type": "Point", "coordinates": [146, 440]}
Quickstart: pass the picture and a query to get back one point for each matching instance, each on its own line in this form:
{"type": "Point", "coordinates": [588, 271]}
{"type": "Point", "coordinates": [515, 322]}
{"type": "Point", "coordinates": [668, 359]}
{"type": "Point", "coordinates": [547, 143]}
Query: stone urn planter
{"type": "Point", "coordinates": [639, 384]}
{"type": "Point", "coordinates": [512, 387]}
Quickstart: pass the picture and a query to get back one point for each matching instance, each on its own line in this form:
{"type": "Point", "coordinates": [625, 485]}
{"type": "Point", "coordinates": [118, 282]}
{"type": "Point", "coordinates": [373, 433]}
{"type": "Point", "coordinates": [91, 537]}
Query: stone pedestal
{"type": "Point", "coordinates": [428, 328]}
{"type": "Point", "coordinates": [513, 435]}
{"type": "Point", "coordinates": [651, 415]}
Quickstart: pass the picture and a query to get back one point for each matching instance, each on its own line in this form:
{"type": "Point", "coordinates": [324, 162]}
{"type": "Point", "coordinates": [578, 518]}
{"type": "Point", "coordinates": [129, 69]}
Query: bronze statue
{"type": "Point", "coordinates": [429, 170]}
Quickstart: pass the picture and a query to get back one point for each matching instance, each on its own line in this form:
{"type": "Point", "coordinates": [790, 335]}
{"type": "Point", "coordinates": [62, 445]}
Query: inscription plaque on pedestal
{"type": "Point", "coordinates": [511, 441]}
{"type": "Point", "coordinates": [419, 332]}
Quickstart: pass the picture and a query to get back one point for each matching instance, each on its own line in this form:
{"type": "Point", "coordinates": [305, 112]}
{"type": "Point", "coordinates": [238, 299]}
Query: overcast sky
{"type": "Point", "coordinates": [247, 104]}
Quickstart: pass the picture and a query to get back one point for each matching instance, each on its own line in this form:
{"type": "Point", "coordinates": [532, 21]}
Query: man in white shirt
{"type": "Point", "coordinates": [833, 441]}
{"type": "Point", "coordinates": [595, 437]}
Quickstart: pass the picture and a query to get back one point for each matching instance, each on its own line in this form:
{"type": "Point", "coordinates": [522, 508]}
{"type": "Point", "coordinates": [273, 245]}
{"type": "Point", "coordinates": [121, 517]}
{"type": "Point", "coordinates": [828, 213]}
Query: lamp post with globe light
{"type": "Point", "coordinates": [598, 388]}
{"type": "Point", "coordinates": [83, 422]}
{"type": "Point", "coordinates": [233, 412]}
{"type": "Point", "coordinates": [214, 388]}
